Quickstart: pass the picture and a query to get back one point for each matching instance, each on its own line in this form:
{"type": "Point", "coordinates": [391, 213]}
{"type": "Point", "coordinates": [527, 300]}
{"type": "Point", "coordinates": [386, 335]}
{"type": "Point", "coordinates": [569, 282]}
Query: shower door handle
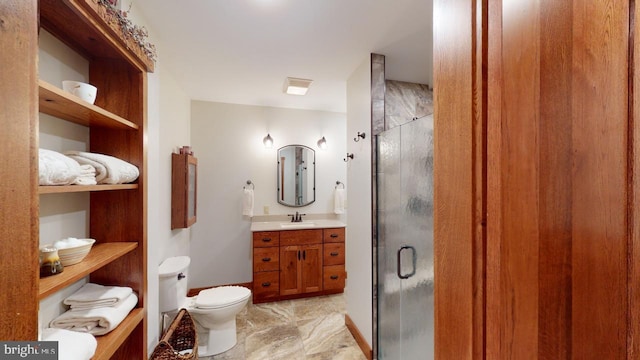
{"type": "Point", "coordinates": [413, 262]}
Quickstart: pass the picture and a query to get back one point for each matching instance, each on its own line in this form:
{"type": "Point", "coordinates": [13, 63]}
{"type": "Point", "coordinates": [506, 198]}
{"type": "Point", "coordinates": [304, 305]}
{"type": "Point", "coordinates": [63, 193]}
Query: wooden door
{"type": "Point", "coordinates": [311, 264]}
{"type": "Point", "coordinates": [536, 229]}
{"type": "Point", "coordinates": [290, 270]}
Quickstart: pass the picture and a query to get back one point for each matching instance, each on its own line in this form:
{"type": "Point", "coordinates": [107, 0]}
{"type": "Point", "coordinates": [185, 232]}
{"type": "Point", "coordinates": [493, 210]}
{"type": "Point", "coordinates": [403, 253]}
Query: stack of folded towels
{"type": "Point", "coordinates": [83, 168]}
{"type": "Point", "coordinates": [72, 345]}
{"type": "Point", "coordinates": [96, 309]}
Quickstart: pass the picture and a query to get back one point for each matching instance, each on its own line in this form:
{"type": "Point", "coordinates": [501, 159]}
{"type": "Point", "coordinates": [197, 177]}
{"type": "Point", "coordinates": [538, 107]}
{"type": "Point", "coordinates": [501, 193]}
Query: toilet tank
{"type": "Point", "coordinates": [173, 282]}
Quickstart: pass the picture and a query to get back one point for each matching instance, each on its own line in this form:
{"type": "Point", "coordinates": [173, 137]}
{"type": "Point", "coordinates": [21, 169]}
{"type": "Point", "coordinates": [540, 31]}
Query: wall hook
{"type": "Point", "coordinates": [349, 156]}
{"type": "Point", "coordinates": [360, 135]}
{"type": "Point", "coordinates": [253, 186]}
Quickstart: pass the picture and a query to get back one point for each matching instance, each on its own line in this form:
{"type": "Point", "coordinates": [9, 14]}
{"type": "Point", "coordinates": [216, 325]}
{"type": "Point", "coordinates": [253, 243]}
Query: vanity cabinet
{"type": "Point", "coordinates": [289, 264]}
{"type": "Point", "coordinates": [117, 127]}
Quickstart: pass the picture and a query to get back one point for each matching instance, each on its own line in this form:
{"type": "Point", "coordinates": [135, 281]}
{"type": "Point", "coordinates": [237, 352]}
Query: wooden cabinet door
{"type": "Point", "coordinates": [311, 263]}
{"type": "Point", "coordinates": [290, 271]}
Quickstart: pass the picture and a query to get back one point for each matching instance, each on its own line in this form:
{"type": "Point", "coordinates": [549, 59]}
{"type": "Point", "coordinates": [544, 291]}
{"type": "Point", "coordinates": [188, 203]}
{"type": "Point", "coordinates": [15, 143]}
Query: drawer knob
{"type": "Point", "coordinates": [266, 239]}
{"type": "Point", "coordinates": [266, 284]}
{"type": "Point", "coordinates": [267, 259]}
{"type": "Point", "coordinates": [334, 235]}
{"type": "Point", "coordinates": [334, 254]}
{"type": "Point", "coordinates": [334, 277]}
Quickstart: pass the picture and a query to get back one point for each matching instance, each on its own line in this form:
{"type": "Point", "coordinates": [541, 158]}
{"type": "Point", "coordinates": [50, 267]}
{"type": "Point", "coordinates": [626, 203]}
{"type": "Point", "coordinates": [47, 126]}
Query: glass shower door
{"type": "Point", "coordinates": [405, 241]}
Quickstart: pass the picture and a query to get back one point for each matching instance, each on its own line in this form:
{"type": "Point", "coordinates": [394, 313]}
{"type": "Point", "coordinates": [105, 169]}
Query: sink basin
{"type": "Point", "coordinates": [295, 225]}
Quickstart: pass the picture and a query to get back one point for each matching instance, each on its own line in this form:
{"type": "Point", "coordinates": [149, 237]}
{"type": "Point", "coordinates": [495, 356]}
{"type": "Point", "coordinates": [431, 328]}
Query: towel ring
{"type": "Point", "coordinates": [338, 183]}
{"type": "Point", "coordinates": [253, 186]}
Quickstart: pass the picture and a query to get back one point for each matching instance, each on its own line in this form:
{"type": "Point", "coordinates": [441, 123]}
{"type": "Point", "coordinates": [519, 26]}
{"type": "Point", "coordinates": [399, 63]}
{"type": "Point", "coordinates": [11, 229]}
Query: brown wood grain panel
{"type": "Point", "coordinates": [519, 169]}
{"type": "Point", "coordinates": [554, 315]}
{"type": "Point", "coordinates": [334, 254]}
{"type": "Point", "coordinates": [290, 272]}
{"type": "Point", "coordinates": [266, 285]}
{"type": "Point", "coordinates": [19, 193]}
{"type": "Point", "coordinates": [266, 259]}
{"type": "Point", "coordinates": [266, 238]}
{"type": "Point", "coordinates": [300, 237]}
{"type": "Point", "coordinates": [600, 113]}
{"type": "Point", "coordinates": [334, 277]}
{"type": "Point", "coordinates": [311, 265]}
{"type": "Point", "coordinates": [83, 188]}
{"type": "Point", "coordinates": [334, 235]}
{"type": "Point", "coordinates": [453, 173]}
{"type": "Point", "coordinates": [633, 350]}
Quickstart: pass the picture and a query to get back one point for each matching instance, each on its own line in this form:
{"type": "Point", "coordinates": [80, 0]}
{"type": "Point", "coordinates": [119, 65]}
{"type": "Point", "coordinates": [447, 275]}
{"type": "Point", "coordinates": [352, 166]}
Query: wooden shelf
{"type": "Point", "coordinates": [99, 256]}
{"type": "Point", "coordinates": [83, 188]}
{"type": "Point", "coordinates": [59, 103]}
{"type": "Point", "coordinates": [109, 344]}
{"type": "Point", "coordinates": [82, 24]}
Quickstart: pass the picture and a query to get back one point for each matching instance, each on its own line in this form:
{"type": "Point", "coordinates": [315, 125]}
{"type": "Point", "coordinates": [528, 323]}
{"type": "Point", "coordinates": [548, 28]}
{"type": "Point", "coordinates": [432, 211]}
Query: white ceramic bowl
{"type": "Point", "coordinates": [84, 91]}
{"type": "Point", "coordinates": [75, 254]}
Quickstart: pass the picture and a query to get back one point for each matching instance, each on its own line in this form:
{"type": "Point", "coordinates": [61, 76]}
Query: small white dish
{"type": "Point", "coordinates": [84, 91]}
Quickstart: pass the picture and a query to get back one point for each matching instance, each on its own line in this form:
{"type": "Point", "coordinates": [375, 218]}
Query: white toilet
{"type": "Point", "coordinates": [214, 310]}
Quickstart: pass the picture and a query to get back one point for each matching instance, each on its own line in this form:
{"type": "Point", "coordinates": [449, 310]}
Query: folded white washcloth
{"type": "Point", "coordinates": [97, 321]}
{"type": "Point", "coordinates": [338, 201]}
{"type": "Point", "coordinates": [72, 345]}
{"type": "Point", "coordinates": [87, 169]}
{"type": "Point", "coordinates": [56, 169]}
{"type": "Point", "coordinates": [109, 169]}
{"type": "Point", "coordinates": [247, 202]}
{"type": "Point", "coordinates": [85, 180]}
{"type": "Point", "coordinates": [91, 296]}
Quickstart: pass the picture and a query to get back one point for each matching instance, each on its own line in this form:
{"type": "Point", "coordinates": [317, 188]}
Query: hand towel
{"type": "Point", "coordinates": [338, 201]}
{"type": "Point", "coordinates": [72, 345]}
{"type": "Point", "coordinates": [109, 169]}
{"type": "Point", "coordinates": [91, 296]}
{"type": "Point", "coordinates": [56, 169]}
{"type": "Point", "coordinates": [247, 202]}
{"type": "Point", "coordinates": [98, 321]}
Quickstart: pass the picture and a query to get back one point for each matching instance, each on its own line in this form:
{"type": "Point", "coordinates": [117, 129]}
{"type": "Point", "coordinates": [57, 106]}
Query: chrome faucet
{"type": "Point", "coordinates": [297, 217]}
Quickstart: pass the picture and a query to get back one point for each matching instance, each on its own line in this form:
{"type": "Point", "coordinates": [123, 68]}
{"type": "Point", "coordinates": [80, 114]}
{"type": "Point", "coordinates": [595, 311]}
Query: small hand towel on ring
{"type": "Point", "coordinates": [247, 202]}
{"type": "Point", "coordinates": [338, 201]}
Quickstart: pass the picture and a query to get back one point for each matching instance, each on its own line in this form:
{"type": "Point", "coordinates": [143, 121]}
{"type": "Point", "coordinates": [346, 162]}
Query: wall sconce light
{"type": "Point", "coordinates": [322, 143]}
{"type": "Point", "coordinates": [268, 141]}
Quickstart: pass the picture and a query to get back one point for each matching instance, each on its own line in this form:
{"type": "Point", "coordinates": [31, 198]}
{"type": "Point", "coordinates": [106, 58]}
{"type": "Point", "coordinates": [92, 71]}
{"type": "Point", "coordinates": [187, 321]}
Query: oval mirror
{"type": "Point", "coordinates": [296, 175]}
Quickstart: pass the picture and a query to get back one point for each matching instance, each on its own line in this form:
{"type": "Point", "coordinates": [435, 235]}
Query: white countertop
{"type": "Point", "coordinates": [288, 225]}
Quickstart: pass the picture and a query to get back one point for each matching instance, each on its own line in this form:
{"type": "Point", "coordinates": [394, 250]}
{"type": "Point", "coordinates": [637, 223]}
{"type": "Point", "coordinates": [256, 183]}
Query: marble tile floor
{"type": "Point", "coordinates": [301, 329]}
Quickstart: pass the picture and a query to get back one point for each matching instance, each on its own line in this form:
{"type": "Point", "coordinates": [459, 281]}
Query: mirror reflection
{"type": "Point", "coordinates": [296, 175]}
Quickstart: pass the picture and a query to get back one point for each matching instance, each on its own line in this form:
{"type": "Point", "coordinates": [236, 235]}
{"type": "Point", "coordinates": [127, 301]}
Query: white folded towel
{"type": "Point", "coordinates": [98, 321]}
{"type": "Point", "coordinates": [72, 345]}
{"type": "Point", "coordinates": [338, 201]}
{"type": "Point", "coordinates": [247, 202]}
{"type": "Point", "coordinates": [109, 169]}
{"type": "Point", "coordinates": [91, 296]}
{"type": "Point", "coordinates": [87, 175]}
{"type": "Point", "coordinates": [56, 169]}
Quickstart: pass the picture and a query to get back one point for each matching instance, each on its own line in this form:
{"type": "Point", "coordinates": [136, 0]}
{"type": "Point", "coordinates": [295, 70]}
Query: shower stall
{"type": "Point", "coordinates": [404, 255]}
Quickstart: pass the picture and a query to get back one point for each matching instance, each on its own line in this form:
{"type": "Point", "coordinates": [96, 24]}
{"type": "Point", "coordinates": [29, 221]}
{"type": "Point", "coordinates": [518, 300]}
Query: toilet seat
{"type": "Point", "coordinates": [220, 297]}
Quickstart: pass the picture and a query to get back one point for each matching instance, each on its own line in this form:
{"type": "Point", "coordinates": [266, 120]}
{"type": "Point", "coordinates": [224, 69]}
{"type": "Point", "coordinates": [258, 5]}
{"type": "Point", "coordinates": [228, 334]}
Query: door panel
{"type": "Point", "coordinates": [311, 264]}
{"type": "Point", "coordinates": [290, 272]}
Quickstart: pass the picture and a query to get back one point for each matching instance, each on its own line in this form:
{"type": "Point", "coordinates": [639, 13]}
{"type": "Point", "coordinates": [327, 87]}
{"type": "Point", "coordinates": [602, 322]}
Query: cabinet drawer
{"type": "Point", "coordinates": [266, 259]}
{"type": "Point", "coordinates": [333, 254]}
{"type": "Point", "coordinates": [334, 277]}
{"type": "Point", "coordinates": [300, 237]}
{"type": "Point", "coordinates": [333, 235]}
{"type": "Point", "coordinates": [266, 238]}
{"type": "Point", "coordinates": [266, 284]}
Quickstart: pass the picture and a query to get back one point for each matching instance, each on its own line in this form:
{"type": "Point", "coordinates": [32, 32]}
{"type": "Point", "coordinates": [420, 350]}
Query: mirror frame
{"type": "Point", "coordinates": [278, 178]}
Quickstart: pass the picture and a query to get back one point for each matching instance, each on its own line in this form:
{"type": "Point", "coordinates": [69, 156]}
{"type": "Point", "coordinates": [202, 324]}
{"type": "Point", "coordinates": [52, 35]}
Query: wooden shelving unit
{"type": "Point", "coordinates": [99, 256]}
{"type": "Point", "coordinates": [117, 127]}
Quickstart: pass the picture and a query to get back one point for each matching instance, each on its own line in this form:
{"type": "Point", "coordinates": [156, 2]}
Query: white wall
{"type": "Point", "coordinates": [358, 257]}
{"type": "Point", "coordinates": [168, 128]}
{"type": "Point", "coordinates": [227, 140]}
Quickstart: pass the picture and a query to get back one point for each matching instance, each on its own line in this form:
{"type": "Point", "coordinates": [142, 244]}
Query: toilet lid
{"type": "Point", "coordinates": [221, 296]}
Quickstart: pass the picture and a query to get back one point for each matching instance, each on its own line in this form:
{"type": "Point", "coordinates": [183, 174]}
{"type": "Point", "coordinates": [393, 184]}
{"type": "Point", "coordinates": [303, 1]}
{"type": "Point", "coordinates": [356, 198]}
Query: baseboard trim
{"type": "Point", "coordinates": [362, 343]}
{"type": "Point", "coordinates": [194, 292]}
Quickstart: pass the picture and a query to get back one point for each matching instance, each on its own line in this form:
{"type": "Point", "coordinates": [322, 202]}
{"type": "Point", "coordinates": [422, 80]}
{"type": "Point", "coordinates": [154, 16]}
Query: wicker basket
{"type": "Point", "coordinates": [180, 336]}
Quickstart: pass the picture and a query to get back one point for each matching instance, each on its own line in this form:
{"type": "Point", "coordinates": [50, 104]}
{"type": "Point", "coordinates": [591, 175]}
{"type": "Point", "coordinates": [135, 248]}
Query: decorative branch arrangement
{"type": "Point", "coordinates": [138, 34]}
